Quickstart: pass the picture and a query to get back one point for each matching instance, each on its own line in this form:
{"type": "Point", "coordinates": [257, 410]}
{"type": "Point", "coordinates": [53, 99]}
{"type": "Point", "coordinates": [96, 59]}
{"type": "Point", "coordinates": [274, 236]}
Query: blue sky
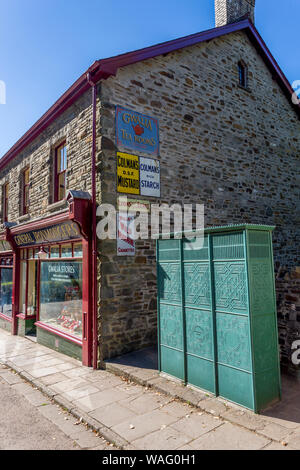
{"type": "Point", "coordinates": [45, 45]}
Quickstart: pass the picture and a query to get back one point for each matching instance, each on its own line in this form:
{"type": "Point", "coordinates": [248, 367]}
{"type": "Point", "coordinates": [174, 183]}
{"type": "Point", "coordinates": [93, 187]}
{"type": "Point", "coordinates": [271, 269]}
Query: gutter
{"type": "Point", "coordinates": [93, 84]}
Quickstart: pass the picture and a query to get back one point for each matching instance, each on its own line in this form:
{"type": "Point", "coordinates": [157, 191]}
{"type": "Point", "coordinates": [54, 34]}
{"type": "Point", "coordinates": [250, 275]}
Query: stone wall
{"type": "Point", "coordinates": [235, 150]}
{"type": "Point", "coordinates": [288, 308]}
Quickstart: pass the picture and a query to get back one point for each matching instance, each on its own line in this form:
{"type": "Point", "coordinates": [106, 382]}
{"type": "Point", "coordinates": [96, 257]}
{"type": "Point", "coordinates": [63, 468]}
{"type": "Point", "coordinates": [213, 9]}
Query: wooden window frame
{"type": "Point", "coordinates": [57, 173]}
{"type": "Point", "coordinates": [243, 74]}
{"type": "Point", "coordinates": [25, 187]}
{"type": "Point", "coordinates": [5, 201]}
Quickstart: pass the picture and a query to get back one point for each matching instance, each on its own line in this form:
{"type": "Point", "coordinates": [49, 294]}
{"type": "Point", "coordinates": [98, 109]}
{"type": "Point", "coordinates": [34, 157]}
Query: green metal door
{"type": "Point", "coordinates": [234, 362]}
{"type": "Point", "coordinates": [171, 324]}
{"type": "Point", "coordinates": [198, 315]}
{"type": "Point", "coordinates": [217, 323]}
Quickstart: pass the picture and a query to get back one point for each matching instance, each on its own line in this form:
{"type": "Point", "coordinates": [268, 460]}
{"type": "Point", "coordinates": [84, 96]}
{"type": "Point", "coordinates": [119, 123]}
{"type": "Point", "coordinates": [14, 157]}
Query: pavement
{"type": "Point", "coordinates": [132, 407]}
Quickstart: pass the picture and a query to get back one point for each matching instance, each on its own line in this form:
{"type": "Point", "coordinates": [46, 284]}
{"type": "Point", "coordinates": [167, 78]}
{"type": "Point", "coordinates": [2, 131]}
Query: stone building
{"type": "Point", "coordinates": [228, 135]}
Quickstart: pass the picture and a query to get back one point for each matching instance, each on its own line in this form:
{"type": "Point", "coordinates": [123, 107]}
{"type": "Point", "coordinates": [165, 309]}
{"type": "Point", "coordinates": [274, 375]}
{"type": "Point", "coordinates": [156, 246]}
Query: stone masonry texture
{"type": "Point", "coordinates": [234, 150]}
{"type": "Point", "coordinates": [230, 11]}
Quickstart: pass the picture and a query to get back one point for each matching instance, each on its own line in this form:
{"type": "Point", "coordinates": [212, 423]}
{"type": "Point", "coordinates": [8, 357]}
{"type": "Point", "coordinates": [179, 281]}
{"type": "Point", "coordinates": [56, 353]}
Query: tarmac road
{"type": "Point", "coordinates": [34, 423]}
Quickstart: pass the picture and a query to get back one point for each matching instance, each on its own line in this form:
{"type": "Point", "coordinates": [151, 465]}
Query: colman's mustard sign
{"type": "Point", "coordinates": [138, 175]}
{"type": "Point", "coordinates": [136, 131]}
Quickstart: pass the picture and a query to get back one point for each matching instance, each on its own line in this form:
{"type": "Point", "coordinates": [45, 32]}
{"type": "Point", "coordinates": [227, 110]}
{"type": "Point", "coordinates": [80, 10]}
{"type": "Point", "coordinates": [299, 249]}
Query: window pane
{"type": "Point", "coordinates": [61, 185]}
{"type": "Point", "coordinates": [77, 250]}
{"type": "Point", "coordinates": [6, 291]}
{"type": "Point", "coordinates": [54, 252]}
{"type": "Point", "coordinates": [61, 295]}
{"type": "Point", "coordinates": [22, 306]}
{"type": "Point", "coordinates": [66, 251]}
{"type": "Point", "coordinates": [61, 159]}
{"type": "Point", "coordinates": [31, 288]}
{"type": "Point", "coordinates": [26, 176]}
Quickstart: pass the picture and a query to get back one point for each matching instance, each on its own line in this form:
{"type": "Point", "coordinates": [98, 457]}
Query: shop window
{"type": "Point", "coordinates": [23, 269]}
{"type": "Point", "coordinates": [32, 287]}
{"type": "Point", "coordinates": [25, 191]}
{"type": "Point", "coordinates": [6, 282]}
{"type": "Point", "coordinates": [5, 202]}
{"type": "Point", "coordinates": [61, 295]}
{"type": "Point", "coordinates": [60, 172]}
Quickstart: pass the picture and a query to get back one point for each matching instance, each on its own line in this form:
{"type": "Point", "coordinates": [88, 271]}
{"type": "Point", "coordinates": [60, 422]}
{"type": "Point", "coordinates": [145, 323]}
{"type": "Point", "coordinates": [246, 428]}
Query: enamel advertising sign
{"type": "Point", "coordinates": [125, 244]}
{"type": "Point", "coordinates": [136, 131]}
{"type": "Point", "coordinates": [128, 173]}
{"type": "Point", "coordinates": [138, 175]}
{"type": "Point", "coordinates": [149, 177]}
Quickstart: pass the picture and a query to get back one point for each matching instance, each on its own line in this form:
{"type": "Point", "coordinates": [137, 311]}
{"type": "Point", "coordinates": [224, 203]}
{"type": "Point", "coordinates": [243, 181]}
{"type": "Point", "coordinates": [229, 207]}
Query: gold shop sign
{"type": "Point", "coordinates": [55, 233]}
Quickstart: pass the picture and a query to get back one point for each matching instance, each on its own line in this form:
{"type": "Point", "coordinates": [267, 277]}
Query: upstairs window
{"type": "Point", "coordinates": [60, 172]}
{"type": "Point", "coordinates": [5, 201]}
{"type": "Point", "coordinates": [243, 74]}
{"type": "Point", "coordinates": [25, 191]}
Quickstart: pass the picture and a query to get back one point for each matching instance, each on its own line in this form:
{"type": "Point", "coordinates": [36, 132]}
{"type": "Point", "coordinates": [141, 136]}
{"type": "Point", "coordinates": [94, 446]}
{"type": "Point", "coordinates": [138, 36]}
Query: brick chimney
{"type": "Point", "coordinates": [231, 11]}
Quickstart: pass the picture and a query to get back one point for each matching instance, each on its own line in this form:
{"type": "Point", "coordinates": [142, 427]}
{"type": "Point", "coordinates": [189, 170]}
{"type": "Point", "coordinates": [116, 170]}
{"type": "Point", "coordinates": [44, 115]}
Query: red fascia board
{"type": "Point", "coordinates": [105, 68]}
{"type": "Point", "coordinates": [39, 224]}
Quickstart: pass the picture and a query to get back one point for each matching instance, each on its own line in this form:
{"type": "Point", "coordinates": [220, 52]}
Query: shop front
{"type": "Point", "coordinates": [51, 299]}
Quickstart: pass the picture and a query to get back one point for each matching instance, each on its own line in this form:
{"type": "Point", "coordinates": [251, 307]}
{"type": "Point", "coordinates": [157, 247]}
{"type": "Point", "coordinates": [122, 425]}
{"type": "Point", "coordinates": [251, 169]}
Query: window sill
{"type": "Point", "coordinates": [245, 88]}
{"type": "Point", "coordinates": [58, 205]}
{"type": "Point", "coordinates": [24, 217]}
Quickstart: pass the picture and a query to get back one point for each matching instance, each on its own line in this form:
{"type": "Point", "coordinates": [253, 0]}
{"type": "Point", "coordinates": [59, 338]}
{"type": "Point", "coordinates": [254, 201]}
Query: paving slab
{"type": "Point", "coordinates": [164, 439]}
{"type": "Point", "coordinates": [245, 418]}
{"type": "Point", "coordinates": [68, 385]}
{"type": "Point", "coordinates": [275, 431]}
{"type": "Point", "coordinates": [113, 414]}
{"type": "Point", "coordinates": [176, 409]}
{"type": "Point", "coordinates": [229, 437]}
{"type": "Point", "coordinates": [80, 392]}
{"type": "Point", "coordinates": [148, 401]}
{"type": "Point", "coordinates": [54, 378]}
{"type": "Point", "coordinates": [144, 424]}
{"type": "Point", "coordinates": [99, 399]}
{"type": "Point", "coordinates": [196, 424]}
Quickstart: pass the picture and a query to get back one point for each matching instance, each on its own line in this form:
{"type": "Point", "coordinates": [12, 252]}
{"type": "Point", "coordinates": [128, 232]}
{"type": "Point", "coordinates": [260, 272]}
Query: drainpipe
{"type": "Point", "coordinates": [94, 237]}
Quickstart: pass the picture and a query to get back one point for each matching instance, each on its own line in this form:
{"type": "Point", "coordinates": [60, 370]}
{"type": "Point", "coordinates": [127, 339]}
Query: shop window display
{"type": "Point", "coordinates": [61, 295]}
{"type": "Point", "coordinates": [32, 288]}
{"type": "Point", "coordinates": [6, 283]}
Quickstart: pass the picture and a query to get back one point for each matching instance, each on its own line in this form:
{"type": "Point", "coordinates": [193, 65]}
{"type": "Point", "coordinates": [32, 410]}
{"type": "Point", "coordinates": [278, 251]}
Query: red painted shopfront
{"type": "Point", "coordinates": [45, 279]}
